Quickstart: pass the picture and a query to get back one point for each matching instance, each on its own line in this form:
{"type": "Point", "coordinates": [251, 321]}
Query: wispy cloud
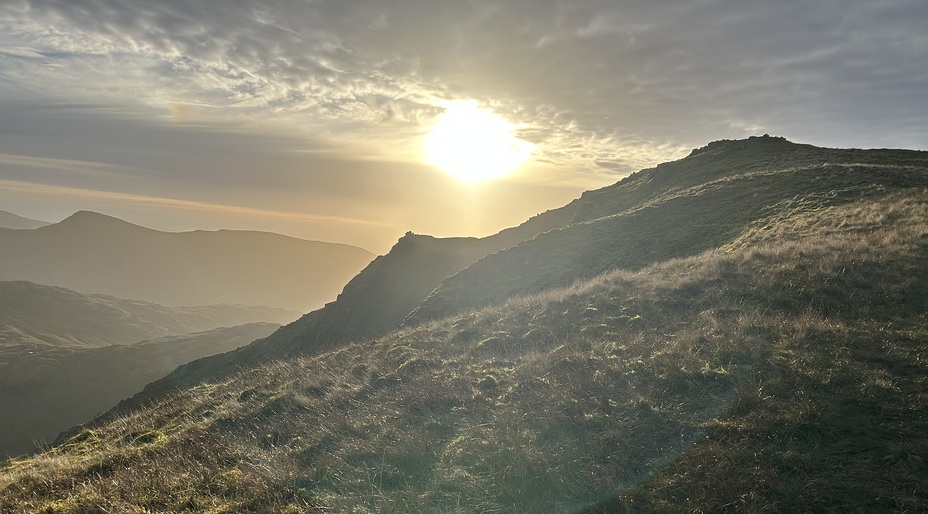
{"type": "Point", "coordinates": [602, 88]}
{"type": "Point", "coordinates": [174, 203]}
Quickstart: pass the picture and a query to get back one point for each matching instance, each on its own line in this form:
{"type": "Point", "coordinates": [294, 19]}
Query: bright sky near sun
{"type": "Point", "coordinates": [357, 120]}
{"type": "Point", "coordinates": [474, 144]}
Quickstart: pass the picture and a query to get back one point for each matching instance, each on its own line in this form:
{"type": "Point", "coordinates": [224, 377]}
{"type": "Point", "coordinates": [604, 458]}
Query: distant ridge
{"type": "Point", "coordinates": [16, 222]}
{"type": "Point", "coordinates": [95, 253]}
{"type": "Point", "coordinates": [96, 221]}
{"type": "Point", "coordinates": [39, 315]}
{"type": "Point", "coordinates": [66, 356]}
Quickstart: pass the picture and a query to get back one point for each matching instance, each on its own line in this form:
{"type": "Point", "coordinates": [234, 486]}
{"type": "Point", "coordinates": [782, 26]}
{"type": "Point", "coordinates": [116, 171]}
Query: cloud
{"type": "Point", "coordinates": [602, 88]}
{"type": "Point", "coordinates": [173, 203]}
{"type": "Point", "coordinates": [20, 51]}
{"type": "Point", "coordinates": [635, 69]}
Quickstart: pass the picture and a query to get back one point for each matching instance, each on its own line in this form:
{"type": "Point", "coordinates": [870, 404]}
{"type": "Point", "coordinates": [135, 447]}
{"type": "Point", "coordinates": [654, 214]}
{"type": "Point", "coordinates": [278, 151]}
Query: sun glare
{"type": "Point", "coordinates": [474, 144]}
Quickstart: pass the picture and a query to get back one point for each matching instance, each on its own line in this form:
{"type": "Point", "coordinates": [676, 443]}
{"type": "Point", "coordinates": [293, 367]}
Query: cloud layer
{"type": "Point", "coordinates": [601, 87]}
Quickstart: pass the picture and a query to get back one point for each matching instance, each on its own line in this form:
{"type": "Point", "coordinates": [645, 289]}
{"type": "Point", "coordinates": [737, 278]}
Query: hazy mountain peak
{"type": "Point", "coordinates": [91, 218]}
{"type": "Point", "coordinates": [15, 221]}
{"type": "Point", "coordinates": [94, 252]}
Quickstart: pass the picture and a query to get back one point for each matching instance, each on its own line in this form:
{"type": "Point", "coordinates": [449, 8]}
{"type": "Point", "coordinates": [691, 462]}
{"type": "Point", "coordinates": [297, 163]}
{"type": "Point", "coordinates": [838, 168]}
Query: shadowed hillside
{"type": "Point", "coordinates": [94, 253]}
{"type": "Point", "coordinates": [61, 362]}
{"type": "Point", "coordinates": [740, 330]}
{"type": "Point", "coordinates": [12, 221]}
{"type": "Point", "coordinates": [34, 314]}
{"type": "Point", "coordinates": [45, 389]}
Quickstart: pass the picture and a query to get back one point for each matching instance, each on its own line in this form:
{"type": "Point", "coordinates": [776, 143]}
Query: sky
{"type": "Point", "coordinates": [307, 117]}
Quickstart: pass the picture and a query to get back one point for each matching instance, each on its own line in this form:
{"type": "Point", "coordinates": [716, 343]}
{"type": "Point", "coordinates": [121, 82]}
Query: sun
{"type": "Point", "coordinates": [474, 144]}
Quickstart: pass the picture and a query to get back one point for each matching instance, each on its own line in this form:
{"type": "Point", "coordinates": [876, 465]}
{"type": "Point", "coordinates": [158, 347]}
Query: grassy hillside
{"type": "Point", "coordinates": [44, 390]}
{"type": "Point", "coordinates": [95, 253]}
{"type": "Point", "coordinates": [781, 366]}
{"type": "Point", "coordinates": [34, 314]}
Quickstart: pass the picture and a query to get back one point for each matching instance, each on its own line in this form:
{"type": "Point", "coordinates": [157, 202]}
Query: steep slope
{"type": "Point", "coordinates": [783, 371]}
{"type": "Point", "coordinates": [46, 389]}
{"type": "Point", "coordinates": [12, 221]}
{"type": "Point", "coordinates": [35, 314]}
{"type": "Point", "coordinates": [94, 253]}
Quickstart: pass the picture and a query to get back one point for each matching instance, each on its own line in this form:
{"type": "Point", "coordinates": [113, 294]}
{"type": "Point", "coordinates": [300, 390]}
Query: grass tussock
{"type": "Point", "coordinates": [784, 372]}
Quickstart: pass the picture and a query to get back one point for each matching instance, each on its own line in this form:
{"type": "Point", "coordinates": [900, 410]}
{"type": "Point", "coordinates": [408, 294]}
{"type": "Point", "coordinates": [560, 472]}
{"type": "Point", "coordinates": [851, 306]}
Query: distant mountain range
{"type": "Point", "coordinates": [10, 220]}
{"type": "Point", "coordinates": [94, 253]}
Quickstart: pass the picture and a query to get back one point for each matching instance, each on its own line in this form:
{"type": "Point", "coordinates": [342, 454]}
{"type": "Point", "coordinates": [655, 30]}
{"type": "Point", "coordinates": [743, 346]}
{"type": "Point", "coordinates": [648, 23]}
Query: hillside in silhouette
{"type": "Point", "coordinates": [13, 221]}
{"type": "Point", "coordinates": [739, 330]}
{"type": "Point", "coordinates": [94, 253]}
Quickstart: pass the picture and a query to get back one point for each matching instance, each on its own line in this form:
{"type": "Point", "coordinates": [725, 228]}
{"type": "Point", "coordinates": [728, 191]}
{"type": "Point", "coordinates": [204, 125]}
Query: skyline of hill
{"type": "Point", "coordinates": [16, 222]}
{"type": "Point", "coordinates": [94, 253]}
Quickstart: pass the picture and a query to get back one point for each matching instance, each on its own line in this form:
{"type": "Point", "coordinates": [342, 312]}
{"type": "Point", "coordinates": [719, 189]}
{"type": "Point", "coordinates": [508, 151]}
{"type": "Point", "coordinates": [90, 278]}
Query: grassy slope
{"type": "Point", "coordinates": [785, 371]}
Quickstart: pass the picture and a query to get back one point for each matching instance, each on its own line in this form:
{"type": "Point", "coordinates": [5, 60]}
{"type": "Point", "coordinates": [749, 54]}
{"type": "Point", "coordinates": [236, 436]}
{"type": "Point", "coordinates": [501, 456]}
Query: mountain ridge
{"type": "Point", "coordinates": [97, 253]}
{"type": "Point", "coordinates": [67, 356]}
{"type": "Point", "coordinates": [37, 314]}
{"type": "Point", "coordinates": [9, 220]}
{"type": "Point", "coordinates": [46, 389]}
